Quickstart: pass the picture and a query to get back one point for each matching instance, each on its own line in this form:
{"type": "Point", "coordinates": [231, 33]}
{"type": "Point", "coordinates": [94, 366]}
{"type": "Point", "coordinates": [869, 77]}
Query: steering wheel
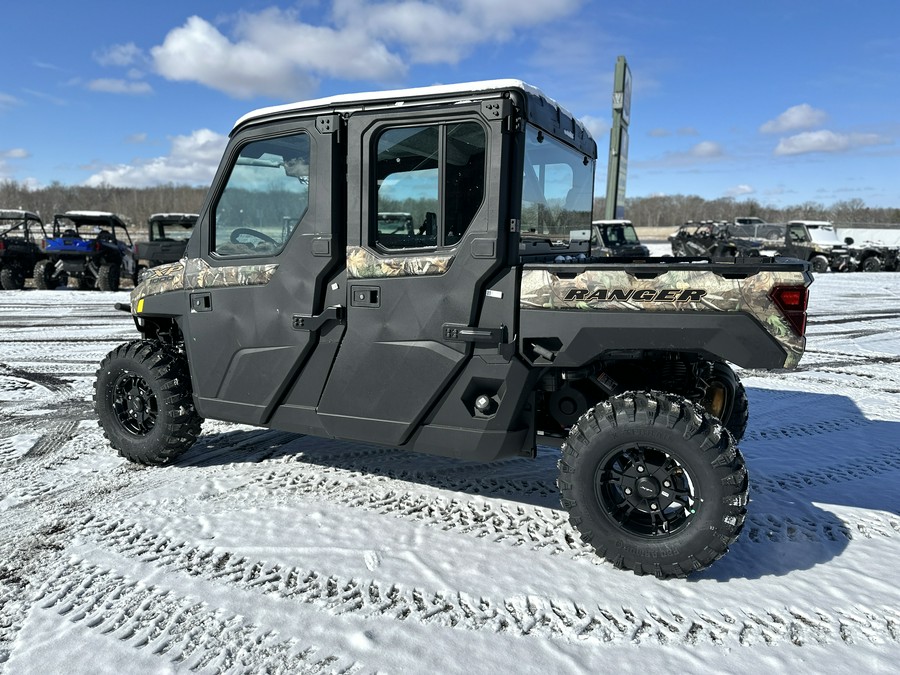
{"type": "Point", "coordinates": [246, 231]}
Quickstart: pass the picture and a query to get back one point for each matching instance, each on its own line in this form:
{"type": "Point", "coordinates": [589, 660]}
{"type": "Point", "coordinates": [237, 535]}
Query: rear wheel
{"type": "Point", "coordinates": [12, 278]}
{"type": "Point", "coordinates": [108, 278]}
{"type": "Point", "coordinates": [727, 400]}
{"type": "Point", "coordinates": [142, 397]}
{"type": "Point", "coordinates": [652, 483]}
{"type": "Point", "coordinates": [45, 276]}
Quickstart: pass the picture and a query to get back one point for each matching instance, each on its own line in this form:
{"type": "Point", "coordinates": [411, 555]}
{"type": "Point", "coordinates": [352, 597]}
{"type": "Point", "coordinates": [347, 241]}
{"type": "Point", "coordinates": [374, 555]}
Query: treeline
{"type": "Point", "coordinates": [137, 204]}
{"type": "Point", "coordinates": [134, 204]}
{"type": "Point", "coordinates": [674, 210]}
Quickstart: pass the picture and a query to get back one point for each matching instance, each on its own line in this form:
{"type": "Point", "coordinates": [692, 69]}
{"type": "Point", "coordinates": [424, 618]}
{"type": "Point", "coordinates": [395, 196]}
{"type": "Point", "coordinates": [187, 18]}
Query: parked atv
{"type": "Point", "coordinates": [874, 257]}
{"type": "Point", "coordinates": [21, 234]}
{"type": "Point", "coordinates": [712, 239]}
{"type": "Point", "coordinates": [93, 247]}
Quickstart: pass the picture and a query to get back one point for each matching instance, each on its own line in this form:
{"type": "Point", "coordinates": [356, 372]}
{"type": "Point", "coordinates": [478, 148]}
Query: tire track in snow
{"type": "Point", "coordinates": [811, 429]}
{"type": "Point", "coordinates": [179, 630]}
{"type": "Point", "coordinates": [885, 462]}
{"type": "Point", "coordinates": [527, 615]}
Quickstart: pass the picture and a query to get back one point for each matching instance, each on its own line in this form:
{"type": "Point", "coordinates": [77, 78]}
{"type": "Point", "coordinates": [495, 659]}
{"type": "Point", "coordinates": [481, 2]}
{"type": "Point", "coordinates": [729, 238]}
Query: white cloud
{"type": "Point", "coordinates": [706, 149]}
{"type": "Point", "coordinates": [47, 97]}
{"type": "Point", "coordinates": [274, 53]}
{"type": "Point", "coordinates": [119, 55]}
{"type": "Point", "coordinates": [598, 127]}
{"type": "Point", "coordinates": [15, 153]}
{"type": "Point", "coordinates": [446, 31]}
{"type": "Point", "coordinates": [137, 138]}
{"type": "Point", "coordinates": [802, 116]}
{"type": "Point", "coordinates": [739, 190]}
{"type": "Point", "coordinates": [7, 101]}
{"type": "Point", "coordinates": [826, 141]}
{"type": "Point", "coordinates": [198, 52]}
{"type": "Point", "coordinates": [192, 160]}
{"type": "Point", "coordinates": [112, 86]}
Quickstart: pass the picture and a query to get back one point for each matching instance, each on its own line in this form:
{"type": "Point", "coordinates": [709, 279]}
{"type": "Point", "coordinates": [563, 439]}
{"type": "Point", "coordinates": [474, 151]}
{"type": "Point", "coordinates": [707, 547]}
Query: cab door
{"type": "Point", "coordinates": [423, 241]}
{"type": "Point", "coordinates": [269, 240]}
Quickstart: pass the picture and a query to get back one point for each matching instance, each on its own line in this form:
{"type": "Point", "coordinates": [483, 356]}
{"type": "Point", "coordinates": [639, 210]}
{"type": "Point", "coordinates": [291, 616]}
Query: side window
{"type": "Point", "coordinates": [430, 183]}
{"type": "Point", "coordinates": [265, 198]}
{"type": "Point", "coordinates": [557, 187]}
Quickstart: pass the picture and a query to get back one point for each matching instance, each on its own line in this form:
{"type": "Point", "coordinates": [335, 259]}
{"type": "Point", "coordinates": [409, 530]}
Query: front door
{"type": "Point", "coordinates": [268, 242]}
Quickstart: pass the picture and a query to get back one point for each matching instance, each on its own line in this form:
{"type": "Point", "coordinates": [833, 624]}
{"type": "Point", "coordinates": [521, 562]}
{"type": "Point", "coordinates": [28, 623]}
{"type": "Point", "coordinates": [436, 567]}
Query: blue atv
{"type": "Point", "coordinates": [93, 247]}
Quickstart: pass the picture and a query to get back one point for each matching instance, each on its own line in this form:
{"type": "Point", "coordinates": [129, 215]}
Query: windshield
{"type": "Point", "coordinates": [620, 235]}
{"type": "Point", "coordinates": [179, 232]}
{"type": "Point", "coordinates": [557, 187]}
{"type": "Point", "coordinates": [823, 234]}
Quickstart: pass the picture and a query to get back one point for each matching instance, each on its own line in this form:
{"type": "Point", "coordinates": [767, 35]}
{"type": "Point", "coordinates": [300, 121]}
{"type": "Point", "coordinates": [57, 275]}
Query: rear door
{"type": "Point", "coordinates": [267, 244]}
{"type": "Point", "coordinates": [423, 219]}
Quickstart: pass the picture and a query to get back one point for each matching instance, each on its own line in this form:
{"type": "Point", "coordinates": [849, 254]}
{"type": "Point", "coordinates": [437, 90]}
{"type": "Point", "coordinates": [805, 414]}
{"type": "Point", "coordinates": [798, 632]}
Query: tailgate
{"type": "Point", "coordinates": [70, 245]}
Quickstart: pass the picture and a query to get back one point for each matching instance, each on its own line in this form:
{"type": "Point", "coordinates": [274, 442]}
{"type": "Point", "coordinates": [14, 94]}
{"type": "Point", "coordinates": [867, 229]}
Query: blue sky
{"type": "Point", "coordinates": [782, 102]}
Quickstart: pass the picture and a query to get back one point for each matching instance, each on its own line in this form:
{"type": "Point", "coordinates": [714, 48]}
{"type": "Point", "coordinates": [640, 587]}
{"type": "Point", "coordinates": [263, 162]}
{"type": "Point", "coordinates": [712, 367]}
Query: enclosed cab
{"type": "Point", "coordinates": [414, 268]}
{"type": "Point", "coordinates": [617, 239]}
{"type": "Point", "coordinates": [817, 242]}
{"type": "Point", "coordinates": [167, 238]}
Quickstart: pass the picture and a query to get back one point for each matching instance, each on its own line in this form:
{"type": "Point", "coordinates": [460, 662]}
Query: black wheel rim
{"type": "Point", "coordinates": [646, 491]}
{"type": "Point", "coordinates": [135, 405]}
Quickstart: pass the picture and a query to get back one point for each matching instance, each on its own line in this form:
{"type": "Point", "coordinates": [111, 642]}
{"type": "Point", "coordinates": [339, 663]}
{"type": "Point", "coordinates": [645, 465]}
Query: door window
{"type": "Point", "coordinates": [265, 198]}
{"type": "Point", "coordinates": [430, 184]}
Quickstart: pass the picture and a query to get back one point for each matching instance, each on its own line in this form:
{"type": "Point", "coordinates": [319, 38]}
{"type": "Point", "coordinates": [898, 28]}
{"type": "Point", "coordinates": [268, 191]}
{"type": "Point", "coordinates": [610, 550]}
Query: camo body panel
{"type": "Point", "coordinates": [194, 273]}
{"type": "Point", "coordinates": [363, 264]}
{"type": "Point", "coordinates": [542, 289]}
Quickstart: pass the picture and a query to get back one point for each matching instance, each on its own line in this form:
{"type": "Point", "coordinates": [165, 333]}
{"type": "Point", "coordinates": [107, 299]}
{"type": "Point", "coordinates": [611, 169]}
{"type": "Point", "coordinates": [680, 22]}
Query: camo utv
{"type": "Point", "coordinates": [479, 325]}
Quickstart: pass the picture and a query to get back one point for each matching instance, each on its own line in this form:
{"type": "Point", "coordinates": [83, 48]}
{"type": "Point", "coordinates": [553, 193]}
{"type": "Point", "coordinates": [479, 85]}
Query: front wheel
{"type": "Point", "coordinates": [871, 264]}
{"type": "Point", "coordinates": [142, 397]}
{"type": "Point", "coordinates": [654, 484]}
{"type": "Point", "coordinates": [819, 263]}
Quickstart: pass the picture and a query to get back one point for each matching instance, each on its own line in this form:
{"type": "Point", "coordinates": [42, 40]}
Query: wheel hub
{"type": "Point", "coordinates": [135, 404]}
{"type": "Point", "coordinates": [647, 487]}
{"type": "Point", "coordinates": [646, 491]}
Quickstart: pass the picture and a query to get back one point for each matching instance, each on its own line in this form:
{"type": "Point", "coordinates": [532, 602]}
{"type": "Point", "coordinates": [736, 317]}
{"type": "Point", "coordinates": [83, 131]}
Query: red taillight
{"type": "Point", "coordinates": [792, 302]}
{"type": "Point", "coordinates": [2, 245]}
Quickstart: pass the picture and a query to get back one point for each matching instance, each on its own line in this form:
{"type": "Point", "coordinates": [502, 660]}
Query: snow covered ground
{"type": "Point", "coordinates": [262, 551]}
